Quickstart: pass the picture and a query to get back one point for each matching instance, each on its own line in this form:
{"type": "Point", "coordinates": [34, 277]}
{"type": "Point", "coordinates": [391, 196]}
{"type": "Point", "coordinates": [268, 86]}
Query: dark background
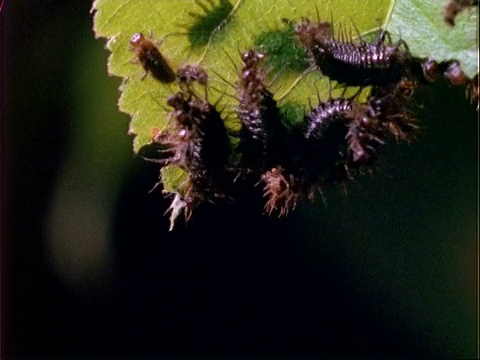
{"type": "Point", "coordinates": [89, 268]}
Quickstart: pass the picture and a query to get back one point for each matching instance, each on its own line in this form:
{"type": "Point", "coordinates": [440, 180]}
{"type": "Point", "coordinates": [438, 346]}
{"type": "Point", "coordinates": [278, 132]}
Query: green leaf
{"type": "Point", "coordinates": [420, 23]}
{"type": "Point", "coordinates": [175, 178]}
{"type": "Point", "coordinates": [196, 31]}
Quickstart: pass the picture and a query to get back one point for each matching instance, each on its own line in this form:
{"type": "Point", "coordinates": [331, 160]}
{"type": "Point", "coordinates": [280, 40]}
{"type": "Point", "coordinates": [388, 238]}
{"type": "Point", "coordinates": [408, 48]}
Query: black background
{"type": "Point", "coordinates": [328, 280]}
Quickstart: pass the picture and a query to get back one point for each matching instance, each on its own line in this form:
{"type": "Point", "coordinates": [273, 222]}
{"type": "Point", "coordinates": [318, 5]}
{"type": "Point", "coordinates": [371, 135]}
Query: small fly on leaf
{"type": "Point", "coordinates": [153, 62]}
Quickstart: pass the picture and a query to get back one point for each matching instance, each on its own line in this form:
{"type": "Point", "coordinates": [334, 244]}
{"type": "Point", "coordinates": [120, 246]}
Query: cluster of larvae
{"type": "Point", "coordinates": [338, 139]}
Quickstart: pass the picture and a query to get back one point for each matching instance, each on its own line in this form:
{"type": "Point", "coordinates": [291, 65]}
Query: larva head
{"type": "Point", "coordinates": [431, 69]}
{"type": "Point", "coordinates": [251, 57]}
{"type": "Point", "coordinates": [310, 34]}
{"type": "Point", "coordinates": [454, 73]}
{"type": "Point", "coordinates": [176, 101]}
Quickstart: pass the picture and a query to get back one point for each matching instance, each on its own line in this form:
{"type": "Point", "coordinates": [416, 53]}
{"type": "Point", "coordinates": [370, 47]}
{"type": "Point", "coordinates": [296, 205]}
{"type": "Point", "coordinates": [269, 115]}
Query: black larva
{"type": "Point", "coordinates": [262, 133]}
{"type": "Point", "coordinates": [353, 63]}
{"type": "Point", "coordinates": [198, 143]}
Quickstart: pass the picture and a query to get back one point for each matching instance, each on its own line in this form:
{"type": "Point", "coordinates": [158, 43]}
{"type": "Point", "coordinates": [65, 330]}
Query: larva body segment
{"type": "Point", "coordinates": [353, 63]}
{"type": "Point", "coordinates": [320, 118]}
{"type": "Point", "coordinates": [395, 120]}
{"type": "Point", "coordinates": [262, 133]}
{"type": "Point", "coordinates": [326, 128]}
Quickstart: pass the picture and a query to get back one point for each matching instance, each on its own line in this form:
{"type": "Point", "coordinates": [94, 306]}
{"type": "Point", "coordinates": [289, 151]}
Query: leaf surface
{"type": "Point", "coordinates": [213, 34]}
{"type": "Point", "coordinates": [420, 23]}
